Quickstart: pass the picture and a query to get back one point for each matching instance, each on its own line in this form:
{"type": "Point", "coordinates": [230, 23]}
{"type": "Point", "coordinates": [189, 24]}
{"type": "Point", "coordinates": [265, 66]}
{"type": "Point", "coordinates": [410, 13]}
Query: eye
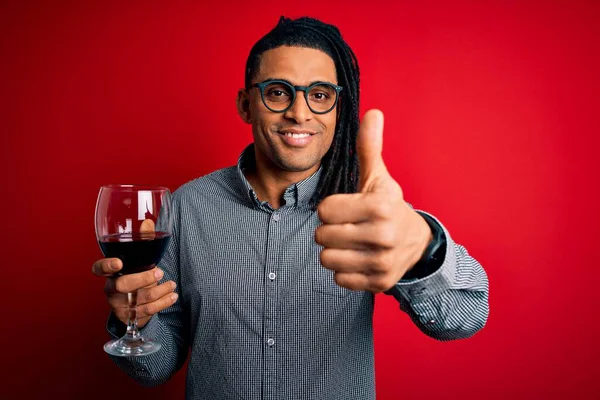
{"type": "Point", "coordinates": [276, 93]}
{"type": "Point", "coordinates": [320, 96]}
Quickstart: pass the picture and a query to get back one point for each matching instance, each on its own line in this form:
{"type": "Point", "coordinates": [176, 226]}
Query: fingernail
{"type": "Point", "coordinates": [158, 273]}
{"type": "Point", "coordinates": [174, 296]}
{"type": "Point", "coordinates": [112, 265]}
{"type": "Point", "coordinates": [174, 285]}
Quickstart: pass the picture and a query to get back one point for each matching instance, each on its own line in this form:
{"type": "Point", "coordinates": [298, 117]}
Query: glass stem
{"type": "Point", "coordinates": [132, 327]}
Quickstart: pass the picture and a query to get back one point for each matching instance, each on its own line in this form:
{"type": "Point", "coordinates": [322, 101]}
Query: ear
{"type": "Point", "coordinates": [243, 106]}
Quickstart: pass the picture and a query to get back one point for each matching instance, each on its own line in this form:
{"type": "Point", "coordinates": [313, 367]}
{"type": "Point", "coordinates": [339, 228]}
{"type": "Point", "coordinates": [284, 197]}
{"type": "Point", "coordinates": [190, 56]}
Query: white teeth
{"type": "Point", "coordinates": [297, 135]}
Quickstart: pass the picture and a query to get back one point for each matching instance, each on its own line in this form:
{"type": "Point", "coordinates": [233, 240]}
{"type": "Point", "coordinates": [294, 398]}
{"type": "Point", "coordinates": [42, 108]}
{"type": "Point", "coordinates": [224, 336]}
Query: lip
{"type": "Point", "coordinates": [296, 142]}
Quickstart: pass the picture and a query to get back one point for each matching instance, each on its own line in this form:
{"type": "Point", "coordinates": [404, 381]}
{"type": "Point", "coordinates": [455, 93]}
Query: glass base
{"type": "Point", "coordinates": [128, 347]}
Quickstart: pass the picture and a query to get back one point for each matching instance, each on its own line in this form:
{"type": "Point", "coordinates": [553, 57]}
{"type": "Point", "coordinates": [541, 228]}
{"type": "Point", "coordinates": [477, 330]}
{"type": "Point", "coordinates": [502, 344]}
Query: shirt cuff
{"type": "Point", "coordinates": [440, 281]}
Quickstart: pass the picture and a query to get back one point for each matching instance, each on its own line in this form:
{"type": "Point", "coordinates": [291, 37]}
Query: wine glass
{"type": "Point", "coordinates": [133, 223]}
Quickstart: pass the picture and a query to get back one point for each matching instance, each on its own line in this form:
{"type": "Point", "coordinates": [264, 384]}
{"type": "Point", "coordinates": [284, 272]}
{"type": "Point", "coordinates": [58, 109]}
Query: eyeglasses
{"type": "Point", "coordinates": [279, 96]}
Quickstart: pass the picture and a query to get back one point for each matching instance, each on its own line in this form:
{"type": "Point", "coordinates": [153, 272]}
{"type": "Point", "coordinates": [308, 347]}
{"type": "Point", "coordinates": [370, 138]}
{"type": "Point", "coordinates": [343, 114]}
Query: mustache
{"type": "Point", "coordinates": [296, 129]}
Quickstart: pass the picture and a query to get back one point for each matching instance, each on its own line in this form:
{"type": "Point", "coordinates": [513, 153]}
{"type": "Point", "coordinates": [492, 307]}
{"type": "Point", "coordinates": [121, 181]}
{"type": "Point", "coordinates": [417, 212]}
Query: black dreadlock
{"type": "Point", "coordinates": [340, 164]}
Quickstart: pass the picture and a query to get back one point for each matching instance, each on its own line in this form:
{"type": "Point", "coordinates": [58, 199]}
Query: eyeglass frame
{"type": "Point", "coordinates": [295, 88]}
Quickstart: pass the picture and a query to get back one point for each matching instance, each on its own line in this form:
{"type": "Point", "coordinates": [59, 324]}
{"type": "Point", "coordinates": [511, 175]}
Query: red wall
{"type": "Point", "coordinates": [491, 125]}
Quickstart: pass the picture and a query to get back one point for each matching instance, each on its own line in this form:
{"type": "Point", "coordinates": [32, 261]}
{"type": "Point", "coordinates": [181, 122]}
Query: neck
{"type": "Point", "coordinates": [270, 182]}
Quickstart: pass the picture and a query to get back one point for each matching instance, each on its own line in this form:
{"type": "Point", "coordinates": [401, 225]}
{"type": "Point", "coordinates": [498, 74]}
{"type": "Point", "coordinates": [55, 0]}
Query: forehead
{"type": "Point", "coordinates": [299, 65]}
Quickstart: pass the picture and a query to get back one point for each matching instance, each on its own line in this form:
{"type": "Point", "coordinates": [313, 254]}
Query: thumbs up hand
{"type": "Point", "coordinates": [371, 238]}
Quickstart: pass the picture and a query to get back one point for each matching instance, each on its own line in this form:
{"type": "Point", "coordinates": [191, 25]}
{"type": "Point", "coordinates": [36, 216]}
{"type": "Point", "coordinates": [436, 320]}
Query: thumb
{"type": "Point", "coordinates": [369, 146]}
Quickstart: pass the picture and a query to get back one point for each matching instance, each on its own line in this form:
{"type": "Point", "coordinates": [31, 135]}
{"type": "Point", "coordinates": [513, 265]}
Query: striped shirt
{"type": "Point", "coordinates": [262, 317]}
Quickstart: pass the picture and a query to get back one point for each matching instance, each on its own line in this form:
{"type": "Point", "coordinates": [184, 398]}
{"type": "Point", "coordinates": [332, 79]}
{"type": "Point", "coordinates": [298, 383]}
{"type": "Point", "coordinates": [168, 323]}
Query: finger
{"type": "Point", "coordinates": [369, 146]}
{"type": "Point", "coordinates": [120, 307]}
{"type": "Point", "coordinates": [356, 281]}
{"type": "Point", "coordinates": [362, 236]}
{"type": "Point", "coordinates": [153, 293]}
{"type": "Point", "coordinates": [343, 208]}
{"type": "Point", "coordinates": [117, 301]}
{"type": "Point", "coordinates": [106, 266]}
{"type": "Point", "coordinates": [352, 280]}
{"type": "Point", "coordinates": [353, 208]}
{"type": "Point", "coordinates": [132, 282]}
{"type": "Point", "coordinates": [149, 309]}
{"type": "Point", "coordinates": [110, 288]}
{"type": "Point", "coordinates": [142, 321]}
{"type": "Point", "coordinates": [341, 260]}
{"type": "Point", "coordinates": [122, 315]}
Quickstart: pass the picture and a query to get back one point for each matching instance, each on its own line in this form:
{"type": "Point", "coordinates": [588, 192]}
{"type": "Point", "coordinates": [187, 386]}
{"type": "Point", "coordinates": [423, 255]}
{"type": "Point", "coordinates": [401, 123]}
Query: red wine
{"type": "Point", "coordinates": [138, 251]}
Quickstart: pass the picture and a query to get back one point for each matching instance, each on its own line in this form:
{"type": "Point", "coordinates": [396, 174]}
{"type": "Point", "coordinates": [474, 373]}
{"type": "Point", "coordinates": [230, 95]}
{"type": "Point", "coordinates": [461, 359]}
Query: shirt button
{"type": "Point", "coordinates": [276, 217]}
{"type": "Point", "coordinates": [271, 342]}
{"type": "Point", "coordinates": [431, 322]}
{"type": "Point", "coordinates": [272, 276]}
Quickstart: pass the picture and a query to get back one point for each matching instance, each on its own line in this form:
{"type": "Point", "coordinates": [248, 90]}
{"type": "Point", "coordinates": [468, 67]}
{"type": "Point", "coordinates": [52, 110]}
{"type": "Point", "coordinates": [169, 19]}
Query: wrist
{"type": "Point", "coordinates": [428, 237]}
{"type": "Point", "coordinates": [433, 254]}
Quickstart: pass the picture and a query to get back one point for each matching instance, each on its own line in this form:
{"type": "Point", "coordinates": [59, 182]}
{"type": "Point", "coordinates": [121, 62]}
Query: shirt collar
{"type": "Point", "coordinates": [295, 195]}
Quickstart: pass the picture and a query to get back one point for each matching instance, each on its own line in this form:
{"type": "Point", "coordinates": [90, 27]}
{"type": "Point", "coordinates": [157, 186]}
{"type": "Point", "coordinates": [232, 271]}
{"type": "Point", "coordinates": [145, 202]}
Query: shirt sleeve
{"type": "Point", "coordinates": [451, 303]}
{"type": "Point", "coordinates": [166, 327]}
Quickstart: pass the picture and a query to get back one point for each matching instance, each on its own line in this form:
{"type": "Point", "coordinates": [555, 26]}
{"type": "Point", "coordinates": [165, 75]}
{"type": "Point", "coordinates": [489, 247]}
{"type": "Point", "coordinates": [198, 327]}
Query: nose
{"type": "Point", "coordinates": [299, 111]}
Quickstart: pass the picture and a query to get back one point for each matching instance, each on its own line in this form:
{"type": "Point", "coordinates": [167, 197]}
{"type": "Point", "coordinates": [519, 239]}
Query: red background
{"type": "Point", "coordinates": [491, 124]}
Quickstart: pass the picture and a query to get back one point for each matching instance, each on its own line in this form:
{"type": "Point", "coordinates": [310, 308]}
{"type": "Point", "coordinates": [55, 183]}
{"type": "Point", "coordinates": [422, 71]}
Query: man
{"type": "Point", "coordinates": [271, 273]}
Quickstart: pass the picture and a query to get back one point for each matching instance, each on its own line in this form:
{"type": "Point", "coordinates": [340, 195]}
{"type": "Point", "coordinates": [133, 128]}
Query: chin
{"type": "Point", "coordinates": [298, 169]}
{"type": "Point", "coordinates": [298, 166]}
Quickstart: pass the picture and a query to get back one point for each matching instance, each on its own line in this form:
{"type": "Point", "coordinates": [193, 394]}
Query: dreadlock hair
{"type": "Point", "coordinates": [340, 163]}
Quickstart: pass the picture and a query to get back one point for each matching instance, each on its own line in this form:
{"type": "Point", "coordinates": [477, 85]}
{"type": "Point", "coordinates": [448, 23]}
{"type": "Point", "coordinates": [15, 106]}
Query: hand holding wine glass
{"type": "Point", "coordinates": [152, 297]}
{"type": "Point", "coordinates": [133, 227]}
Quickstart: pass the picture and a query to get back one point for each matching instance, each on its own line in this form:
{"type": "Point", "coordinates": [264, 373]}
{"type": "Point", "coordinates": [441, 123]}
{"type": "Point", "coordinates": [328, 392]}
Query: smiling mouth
{"type": "Point", "coordinates": [296, 133]}
{"type": "Point", "coordinates": [297, 137]}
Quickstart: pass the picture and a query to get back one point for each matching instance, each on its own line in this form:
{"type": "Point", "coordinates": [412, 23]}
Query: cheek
{"type": "Point", "coordinates": [262, 119]}
{"type": "Point", "coordinates": [255, 108]}
{"type": "Point", "coordinates": [330, 123]}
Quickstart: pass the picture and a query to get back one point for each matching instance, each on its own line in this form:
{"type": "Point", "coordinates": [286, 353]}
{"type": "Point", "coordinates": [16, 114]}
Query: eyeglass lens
{"type": "Point", "coordinates": [278, 97]}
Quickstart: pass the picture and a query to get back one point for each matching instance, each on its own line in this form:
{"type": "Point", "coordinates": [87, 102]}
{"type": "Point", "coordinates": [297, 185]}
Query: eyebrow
{"type": "Point", "coordinates": [285, 80]}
